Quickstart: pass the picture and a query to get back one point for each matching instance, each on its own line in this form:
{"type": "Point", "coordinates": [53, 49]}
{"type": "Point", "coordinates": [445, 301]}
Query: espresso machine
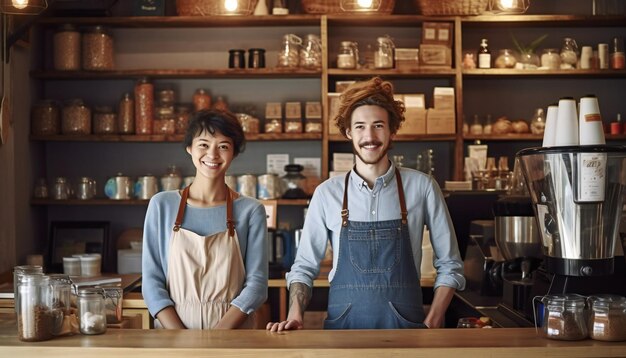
{"type": "Point", "coordinates": [577, 195]}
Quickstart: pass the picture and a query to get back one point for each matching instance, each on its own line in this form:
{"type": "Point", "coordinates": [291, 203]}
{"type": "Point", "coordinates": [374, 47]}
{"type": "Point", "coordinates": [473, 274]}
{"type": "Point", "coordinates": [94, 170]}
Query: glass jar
{"type": "Point", "coordinates": [76, 118]}
{"type": "Point", "coordinates": [293, 125]}
{"type": "Point", "coordinates": [383, 56]}
{"type": "Point", "coordinates": [313, 125]}
{"type": "Point", "coordinates": [236, 58]}
{"type": "Point", "coordinates": [97, 49]}
{"type": "Point", "coordinates": [569, 53]}
{"type": "Point", "coordinates": [550, 59]}
{"type": "Point", "coordinates": [294, 182]}
{"type": "Point", "coordinates": [289, 54]}
{"type": "Point", "coordinates": [86, 188]}
{"type": "Point", "coordinates": [201, 100]}
{"type": "Point", "coordinates": [144, 106]}
{"type": "Point", "coordinates": [505, 59]}
{"type": "Point", "coordinates": [249, 124]}
{"type": "Point", "coordinates": [18, 272]}
{"type": "Point", "coordinates": [538, 122]}
{"type": "Point", "coordinates": [182, 119]}
{"type": "Point", "coordinates": [172, 179]}
{"type": "Point", "coordinates": [607, 317]}
{"type": "Point", "coordinates": [92, 311]}
{"type": "Point", "coordinates": [61, 189]}
{"type": "Point", "coordinates": [166, 97]}
{"type": "Point", "coordinates": [60, 290]}
{"type": "Point", "coordinates": [273, 125]}
{"type": "Point", "coordinates": [348, 55]}
{"type": "Point", "coordinates": [41, 189]}
{"type": "Point", "coordinates": [126, 115]}
{"type": "Point", "coordinates": [66, 48]}
{"type": "Point", "coordinates": [34, 316]}
{"type": "Point", "coordinates": [220, 104]}
{"type": "Point", "coordinates": [104, 120]}
{"type": "Point", "coordinates": [113, 296]}
{"type": "Point", "coordinates": [46, 118]}
{"type": "Point", "coordinates": [564, 317]}
{"type": "Point", "coordinates": [311, 53]}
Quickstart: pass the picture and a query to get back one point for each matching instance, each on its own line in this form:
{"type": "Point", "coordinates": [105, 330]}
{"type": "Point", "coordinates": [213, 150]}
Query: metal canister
{"type": "Point", "coordinates": [86, 188]}
{"type": "Point", "coordinates": [231, 181]}
{"type": "Point", "coordinates": [267, 186]}
{"type": "Point", "coordinates": [246, 185]}
{"type": "Point", "coordinates": [146, 186]}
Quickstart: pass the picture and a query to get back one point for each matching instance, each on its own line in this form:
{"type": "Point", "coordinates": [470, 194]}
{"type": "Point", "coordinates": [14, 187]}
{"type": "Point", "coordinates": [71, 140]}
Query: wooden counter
{"type": "Point", "coordinates": [502, 342]}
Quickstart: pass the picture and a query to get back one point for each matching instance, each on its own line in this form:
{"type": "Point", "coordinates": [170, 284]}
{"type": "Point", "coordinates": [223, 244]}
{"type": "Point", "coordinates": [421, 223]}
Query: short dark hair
{"type": "Point", "coordinates": [214, 120]}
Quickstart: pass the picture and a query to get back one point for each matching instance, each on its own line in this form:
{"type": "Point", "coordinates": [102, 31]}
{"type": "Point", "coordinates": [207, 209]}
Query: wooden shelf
{"type": "Point", "coordinates": [188, 21]}
{"type": "Point", "coordinates": [384, 20]}
{"type": "Point", "coordinates": [135, 202]}
{"type": "Point", "coordinates": [393, 73]}
{"type": "Point", "coordinates": [504, 137]}
{"type": "Point", "coordinates": [543, 21]}
{"type": "Point", "coordinates": [405, 138]}
{"type": "Point", "coordinates": [244, 73]}
{"type": "Point", "coordinates": [158, 138]}
{"type": "Point", "coordinates": [501, 72]}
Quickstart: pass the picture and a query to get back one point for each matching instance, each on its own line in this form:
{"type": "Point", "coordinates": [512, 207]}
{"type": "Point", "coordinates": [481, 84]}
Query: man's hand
{"type": "Point", "coordinates": [289, 324]}
{"type": "Point", "coordinates": [441, 301]}
{"type": "Point", "coordinates": [299, 298]}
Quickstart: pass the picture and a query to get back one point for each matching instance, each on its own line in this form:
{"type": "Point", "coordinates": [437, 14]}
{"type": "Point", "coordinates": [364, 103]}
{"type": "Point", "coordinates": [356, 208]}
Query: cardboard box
{"type": "Point", "coordinates": [293, 110]}
{"type": "Point", "coordinates": [333, 109]}
{"type": "Point", "coordinates": [435, 55]}
{"type": "Point", "coordinates": [407, 58]}
{"type": "Point", "coordinates": [313, 110]}
{"type": "Point", "coordinates": [415, 115]}
{"type": "Point", "coordinates": [443, 98]}
{"type": "Point", "coordinates": [437, 33]}
{"type": "Point", "coordinates": [273, 110]}
{"type": "Point", "coordinates": [440, 121]}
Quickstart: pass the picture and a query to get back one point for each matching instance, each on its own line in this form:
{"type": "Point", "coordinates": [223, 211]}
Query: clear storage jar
{"type": "Point", "coordinates": [18, 272]}
{"type": "Point", "coordinates": [569, 52]}
{"type": "Point", "coordinates": [383, 56]}
{"type": "Point", "coordinates": [273, 125]}
{"type": "Point", "coordinates": [607, 317]}
{"type": "Point", "coordinates": [506, 59]}
{"type": "Point", "coordinates": [92, 311]}
{"type": "Point", "coordinates": [34, 316]}
{"type": "Point", "coordinates": [311, 52]}
{"type": "Point", "coordinates": [97, 49]}
{"type": "Point", "coordinates": [45, 118]}
{"type": "Point", "coordinates": [113, 296]}
{"type": "Point", "coordinates": [144, 106]}
{"type": "Point", "coordinates": [550, 59]}
{"type": "Point", "coordinates": [564, 317]}
{"type": "Point", "coordinates": [60, 290]}
{"type": "Point", "coordinates": [289, 53]}
{"type": "Point", "coordinates": [293, 125]}
{"type": "Point", "coordinates": [76, 118]}
{"type": "Point", "coordinates": [104, 120]}
{"type": "Point", "coordinates": [348, 55]}
{"type": "Point", "coordinates": [66, 48]}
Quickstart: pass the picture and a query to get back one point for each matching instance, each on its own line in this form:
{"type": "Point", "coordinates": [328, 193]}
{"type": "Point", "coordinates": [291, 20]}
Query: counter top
{"type": "Point", "coordinates": [501, 342]}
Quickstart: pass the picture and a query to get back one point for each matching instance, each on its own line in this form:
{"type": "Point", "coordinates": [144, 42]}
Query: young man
{"type": "Point", "coordinates": [374, 218]}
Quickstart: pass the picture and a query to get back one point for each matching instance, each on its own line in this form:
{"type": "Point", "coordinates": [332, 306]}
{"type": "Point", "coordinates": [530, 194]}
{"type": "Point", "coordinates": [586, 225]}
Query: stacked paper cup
{"type": "Point", "coordinates": [567, 123]}
{"type": "Point", "coordinates": [590, 122]}
{"type": "Point", "coordinates": [584, 128]}
{"type": "Point", "coordinates": [549, 133]}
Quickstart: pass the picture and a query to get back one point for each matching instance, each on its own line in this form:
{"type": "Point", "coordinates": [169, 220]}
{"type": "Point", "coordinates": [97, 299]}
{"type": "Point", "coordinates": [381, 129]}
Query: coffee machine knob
{"type": "Point", "coordinates": [586, 271]}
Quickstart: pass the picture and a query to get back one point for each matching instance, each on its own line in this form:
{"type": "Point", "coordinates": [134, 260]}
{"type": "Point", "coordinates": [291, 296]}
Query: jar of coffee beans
{"type": "Point", "coordinates": [66, 48]}
{"type": "Point", "coordinates": [97, 49]}
{"type": "Point", "coordinates": [607, 317]}
{"type": "Point", "coordinates": [76, 118]}
{"type": "Point", "coordinates": [564, 317]}
{"type": "Point", "coordinates": [46, 118]}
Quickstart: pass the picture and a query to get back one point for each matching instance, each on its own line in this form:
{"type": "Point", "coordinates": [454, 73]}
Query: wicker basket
{"type": "Point", "coordinates": [213, 7]}
{"type": "Point", "coordinates": [451, 7]}
{"type": "Point", "coordinates": [334, 7]}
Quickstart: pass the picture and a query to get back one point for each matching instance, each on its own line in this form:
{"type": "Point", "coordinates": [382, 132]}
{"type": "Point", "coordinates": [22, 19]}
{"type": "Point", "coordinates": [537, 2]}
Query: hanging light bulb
{"type": "Point", "coordinates": [19, 4]}
{"type": "Point", "coordinates": [231, 5]}
{"type": "Point", "coordinates": [509, 6]}
{"type": "Point", "coordinates": [23, 7]}
{"type": "Point", "coordinates": [365, 4]}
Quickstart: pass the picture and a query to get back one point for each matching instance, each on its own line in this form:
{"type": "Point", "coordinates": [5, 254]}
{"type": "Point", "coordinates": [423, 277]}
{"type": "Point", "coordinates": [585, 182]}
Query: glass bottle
{"type": "Point", "coordinates": [348, 55]}
{"type": "Point", "coordinates": [476, 128]}
{"type": "Point", "coordinates": [484, 56]}
{"type": "Point", "coordinates": [569, 53]}
{"type": "Point", "coordinates": [91, 309]}
{"type": "Point", "coordinates": [617, 58]}
{"type": "Point", "coordinates": [144, 106]}
{"type": "Point", "coordinates": [538, 122]}
{"type": "Point", "coordinates": [488, 127]}
{"type": "Point", "coordinates": [32, 304]}
{"type": "Point", "coordinates": [182, 119]}
{"type": "Point", "coordinates": [294, 182]}
{"type": "Point", "coordinates": [383, 57]}
{"type": "Point", "coordinates": [201, 100]}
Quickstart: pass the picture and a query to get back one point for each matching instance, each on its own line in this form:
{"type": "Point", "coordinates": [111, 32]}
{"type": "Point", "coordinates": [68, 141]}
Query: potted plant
{"type": "Point", "coordinates": [528, 59]}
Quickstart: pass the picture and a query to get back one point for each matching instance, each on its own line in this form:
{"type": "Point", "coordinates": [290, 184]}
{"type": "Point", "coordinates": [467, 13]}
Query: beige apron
{"type": "Point", "coordinates": [205, 273]}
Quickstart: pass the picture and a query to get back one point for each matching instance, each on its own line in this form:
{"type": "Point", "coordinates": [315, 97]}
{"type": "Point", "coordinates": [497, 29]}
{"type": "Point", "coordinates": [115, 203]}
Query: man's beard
{"type": "Point", "coordinates": [378, 158]}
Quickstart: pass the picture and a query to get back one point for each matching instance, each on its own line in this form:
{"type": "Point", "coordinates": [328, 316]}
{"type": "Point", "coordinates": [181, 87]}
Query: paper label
{"type": "Point", "coordinates": [591, 177]}
{"type": "Point", "coordinates": [276, 163]}
{"type": "Point", "coordinates": [593, 117]}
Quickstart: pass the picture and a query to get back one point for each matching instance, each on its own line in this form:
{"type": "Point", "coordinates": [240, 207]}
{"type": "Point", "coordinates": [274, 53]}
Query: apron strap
{"type": "Point", "coordinates": [344, 207]}
{"type": "Point", "coordinates": [181, 209]}
{"type": "Point", "coordinates": [230, 223]}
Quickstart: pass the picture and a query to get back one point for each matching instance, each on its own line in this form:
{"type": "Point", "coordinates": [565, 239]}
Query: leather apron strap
{"type": "Point", "coordinates": [230, 223]}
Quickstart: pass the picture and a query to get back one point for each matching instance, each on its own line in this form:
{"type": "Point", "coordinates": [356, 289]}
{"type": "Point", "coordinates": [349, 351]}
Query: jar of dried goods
{"type": "Point", "coordinates": [34, 315]}
{"type": "Point", "coordinates": [250, 124]}
{"type": "Point", "coordinates": [182, 119]}
{"type": "Point", "coordinates": [293, 125]}
{"type": "Point", "coordinates": [166, 97]}
{"type": "Point", "coordinates": [383, 56]}
{"type": "Point", "coordinates": [289, 53]}
{"type": "Point", "coordinates": [201, 100]}
{"type": "Point", "coordinates": [144, 106]}
{"type": "Point", "coordinates": [550, 59]}
{"type": "Point", "coordinates": [46, 118]}
{"type": "Point", "coordinates": [311, 52]}
{"type": "Point", "coordinates": [564, 317]}
{"type": "Point", "coordinates": [60, 291]}
{"type": "Point", "coordinates": [313, 125]}
{"type": "Point", "coordinates": [348, 55]}
{"type": "Point", "coordinates": [505, 59]}
{"type": "Point", "coordinates": [126, 115]}
{"type": "Point", "coordinates": [92, 311]}
{"type": "Point", "coordinates": [607, 317]}
{"type": "Point", "coordinates": [104, 120]}
{"type": "Point", "coordinates": [273, 125]}
{"type": "Point", "coordinates": [76, 118]}
{"type": "Point", "coordinates": [66, 48]}
{"type": "Point", "coordinates": [97, 49]}
{"type": "Point", "coordinates": [220, 104]}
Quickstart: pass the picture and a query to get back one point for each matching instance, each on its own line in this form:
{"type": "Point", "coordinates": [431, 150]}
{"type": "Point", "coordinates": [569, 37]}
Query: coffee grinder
{"type": "Point", "coordinates": [577, 195]}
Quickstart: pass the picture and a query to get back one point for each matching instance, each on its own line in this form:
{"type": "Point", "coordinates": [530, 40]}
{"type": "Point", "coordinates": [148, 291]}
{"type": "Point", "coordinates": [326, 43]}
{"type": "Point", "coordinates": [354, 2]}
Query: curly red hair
{"type": "Point", "coordinates": [374, 92]}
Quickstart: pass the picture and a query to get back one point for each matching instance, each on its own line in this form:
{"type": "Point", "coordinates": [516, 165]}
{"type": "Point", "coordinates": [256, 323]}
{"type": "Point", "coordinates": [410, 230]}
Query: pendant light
{"type": "Point", "coordinates": [23, 7]}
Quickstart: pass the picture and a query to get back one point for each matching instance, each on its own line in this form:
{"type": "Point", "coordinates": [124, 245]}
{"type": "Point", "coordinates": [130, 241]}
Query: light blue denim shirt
{"type": "Point", "coordinates": [425, 206]}
{"type": "Point", "coordinates": [251, 228]}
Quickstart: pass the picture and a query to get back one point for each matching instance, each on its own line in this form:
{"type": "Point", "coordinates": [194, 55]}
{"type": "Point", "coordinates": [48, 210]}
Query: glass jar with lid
{"type": "Point", "coordinates": [126, 115]}
{"type": "Point", "coordinates": [92, 311]}
{"type": "Point", "coordinates": [113, 296]}
{"type": "Point", "coordinates": [60, 291]}
{"type": "Point", "coordinates": [348, 55]}
{"type": "Point", "coordinates": [249, 123]}
{"type": "Point", "coordinates": [66, 48]}
{"type": "Point", "coordinates": [45, 118]}
{"type": "Point", "coordinates": [182, 119]}
{"type": "Point", "coordinates": [607, 317]}
{"type": "Point", "coordinates": [34, 316]}
{"type": "Point", "coordinates": [201, 100]}
{"type": "Point", "coordinates": [144, 106]}
{"type": "Point", "coordinates": [506, 59]}
{"type": "Point", "coordinates": [22, 270]}
{"type": "Point", "coordinates": [41, 189]}
{"type": "Point", "coordinates": [289, 54]}
{"type": "Point", "coordinates": [104, 120]}
{"type": "Point", "coordinates": [564, 317]}
{"type": "Point", "coordinates": [76, 118]}
{"type": "Point", "coordinates": [61, 189]}
{"type": "Point", "coordinates": [172, 179]}
{"type": "Point", "coordinates": [383, 56]}
{"type": "Point", "coordinates": [311, 52]}
{"type": "Point", "coordinates": [97, 49]}
{"type": "Point", "coordinates": [294, 182]}
{"type": "Point", "coordinates": [550, 59]}
{"type": "Point", "coordinates": [569, 53]}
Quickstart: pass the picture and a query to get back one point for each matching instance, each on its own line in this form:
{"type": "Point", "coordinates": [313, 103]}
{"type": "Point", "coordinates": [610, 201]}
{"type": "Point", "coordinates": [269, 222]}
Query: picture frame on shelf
{"type": "Point", "coordinates": [69, 238]}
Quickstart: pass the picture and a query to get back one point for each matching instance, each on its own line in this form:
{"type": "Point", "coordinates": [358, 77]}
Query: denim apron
{"type": "Point", "coordinates": [375, 283]}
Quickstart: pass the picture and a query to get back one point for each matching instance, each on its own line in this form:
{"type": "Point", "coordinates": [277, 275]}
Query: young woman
{"type": "Point", "coordinates": [204, 252]}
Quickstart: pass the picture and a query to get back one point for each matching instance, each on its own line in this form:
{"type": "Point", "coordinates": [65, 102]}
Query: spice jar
{"type": "Point", "coordinates": [66, 48]}
{"type": "Point", "coordinates": [97, 50]}
{"type": "Point", "coordinates": [201, 100]}
{"type": "Point", "coordinates": [92, 312]}
{"type": "Point", "coordinates": [144, 106]}
{"type": "Point", "coordinates": [294, 182]}
{"type": "Point", "coordinates": [126, 115]}
{"type": "Point", "coordinates": [311, 52]}
{"type": "Point", "coordinates": [256, 58]}
{"type": "Point", "coordinates": [104, 120]}
{"type": "Point", "coordinates": [45, 118]}
{"type": "Point", "coordinates": [618, 57]}
{"type": "Point", "coordinates": [76, 118]}
{"type": "Point", "coordinates": [505, 59]}
{"type": "Point", "coordinates": [383, 56]}
{"type": "Point", "coordinates": [182, 119]}
{"type": "Point", "coordinates": [564, 317]}
{"type": "Point", "coordinates": [34, 316]}
{"type": "Point", "coordinates": [60, 289]}
{"type": "Point", "coordinates": [236, 58]}
{"type": "Point", "coordinates": [288, 55]}
{"type": "Point", "coordinates": [348, 55]}
{"type": "Point", "coordinates": [607, 317]}
{"type": "Point", "coordinates": [550, 59]}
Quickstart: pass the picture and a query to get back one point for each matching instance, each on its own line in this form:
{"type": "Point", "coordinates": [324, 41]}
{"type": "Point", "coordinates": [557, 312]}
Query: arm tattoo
{"type": "Point", "coordinates": [299, 294]}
